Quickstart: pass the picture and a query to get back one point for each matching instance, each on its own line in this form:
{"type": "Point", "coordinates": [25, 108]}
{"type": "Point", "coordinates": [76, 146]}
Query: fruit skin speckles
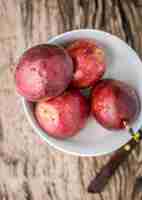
{"type": "Point", "coordinates": [89, 62]}
{"type": "Point", "coordinates": [63, 116]}
{"type": "Point", "coordinates": [113, 102]}
{"type": "Point", "coordinates": [43, 70]}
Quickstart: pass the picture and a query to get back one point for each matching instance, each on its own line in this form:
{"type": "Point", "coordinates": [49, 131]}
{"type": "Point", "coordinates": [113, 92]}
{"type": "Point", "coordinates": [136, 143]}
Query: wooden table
{"type": "Point", "coordinates": [29, 168]}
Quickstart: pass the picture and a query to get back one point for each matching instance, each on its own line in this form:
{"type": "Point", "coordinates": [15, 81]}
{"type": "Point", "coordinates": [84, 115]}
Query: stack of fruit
{"type": "Point", "coordinates": [52, 77]}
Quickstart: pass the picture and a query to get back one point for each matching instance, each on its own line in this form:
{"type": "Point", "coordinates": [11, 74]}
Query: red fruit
{"type": "Point", "coordinates": [89, 62]}
{"type": "Point", "coordinates": [114, 102]}
{"type": "Point", "coordinates": [43, 70]}
{"type": "Point", "coordinates": [64, 115]}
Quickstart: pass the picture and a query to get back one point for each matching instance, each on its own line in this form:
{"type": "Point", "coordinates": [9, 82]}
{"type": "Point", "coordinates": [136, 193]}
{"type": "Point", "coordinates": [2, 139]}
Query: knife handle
{"type": "Point", "coordinates": [102, 178]}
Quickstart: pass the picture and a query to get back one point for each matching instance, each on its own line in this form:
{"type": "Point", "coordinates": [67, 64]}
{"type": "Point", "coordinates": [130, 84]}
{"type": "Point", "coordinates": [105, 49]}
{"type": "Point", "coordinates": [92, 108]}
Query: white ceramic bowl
{"type": "Point", "coordinates": [122, 64]}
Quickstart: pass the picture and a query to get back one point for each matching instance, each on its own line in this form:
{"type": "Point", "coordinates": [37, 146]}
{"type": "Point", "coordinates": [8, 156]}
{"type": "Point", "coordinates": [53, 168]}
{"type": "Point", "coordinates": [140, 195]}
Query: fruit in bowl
{"type": "Point", "coordinates": [89, 62]}
{"type": "Point", "coordinates": [63, 116]}
{"type": "Point", "coordinates": [43, 70]}
{"type": "Point", "coordinates": [114, 104]}
{"type": "Point", "coordinates": [92, 140]}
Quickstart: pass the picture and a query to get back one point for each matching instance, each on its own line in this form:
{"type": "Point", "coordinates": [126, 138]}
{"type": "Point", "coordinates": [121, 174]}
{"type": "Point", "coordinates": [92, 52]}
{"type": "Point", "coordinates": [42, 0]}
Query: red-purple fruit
{"type": "Point", "coordinates": [43, 71]}
{"type": "Point", "coordinates": [89, 62]}
{"type": "Point", "coordinates": [113, 103]}
{"type": "Point", "coordinates": [63, 116]}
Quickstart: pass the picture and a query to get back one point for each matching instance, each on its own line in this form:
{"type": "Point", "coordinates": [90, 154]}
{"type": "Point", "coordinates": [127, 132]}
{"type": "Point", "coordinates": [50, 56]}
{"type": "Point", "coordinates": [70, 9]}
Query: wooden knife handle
{"type": "Point", "coordinates": [98, 183]}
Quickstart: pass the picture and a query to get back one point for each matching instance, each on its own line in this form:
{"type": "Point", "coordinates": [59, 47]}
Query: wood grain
{"type": "Point", "coordinates": [29, 168]}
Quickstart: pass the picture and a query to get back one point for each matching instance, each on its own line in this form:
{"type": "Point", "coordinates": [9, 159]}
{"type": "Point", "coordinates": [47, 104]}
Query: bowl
{"type": "Point", "coordinates": [123, 64]}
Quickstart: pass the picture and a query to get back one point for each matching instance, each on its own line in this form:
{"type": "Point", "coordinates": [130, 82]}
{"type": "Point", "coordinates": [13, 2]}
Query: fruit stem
{"type": "Point", "coordinates": [135, 135]}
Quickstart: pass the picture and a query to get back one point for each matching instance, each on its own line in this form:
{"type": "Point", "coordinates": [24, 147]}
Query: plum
{"type": "Point", "coordinates": [43, 70]}
{"type": "Point", "coordinates": [113, 102]}
{"type": "Point", "coordinates": [63, 116]}
{"type": "Point", "coordinates": [89, 62]}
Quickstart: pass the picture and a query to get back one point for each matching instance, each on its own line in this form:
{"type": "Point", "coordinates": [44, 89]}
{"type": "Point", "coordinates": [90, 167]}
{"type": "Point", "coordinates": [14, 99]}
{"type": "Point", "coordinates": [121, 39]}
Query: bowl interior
{"type": "Point", "coordinates": [122, 64]}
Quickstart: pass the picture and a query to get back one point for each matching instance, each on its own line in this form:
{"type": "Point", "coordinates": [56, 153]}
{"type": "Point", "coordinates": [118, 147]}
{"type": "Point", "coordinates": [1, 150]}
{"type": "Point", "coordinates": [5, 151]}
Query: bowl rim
{"type": "Point", "coordinates": [45, 137]}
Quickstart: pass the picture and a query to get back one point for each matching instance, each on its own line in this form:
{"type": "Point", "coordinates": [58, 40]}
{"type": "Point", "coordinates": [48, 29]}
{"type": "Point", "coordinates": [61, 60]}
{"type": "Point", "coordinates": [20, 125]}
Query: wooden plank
{"type": "Point", "coordinates": [29, 168]}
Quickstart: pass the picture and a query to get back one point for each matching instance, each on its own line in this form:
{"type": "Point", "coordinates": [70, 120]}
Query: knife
{"type": "Point", "coordinates": [102, 178]}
